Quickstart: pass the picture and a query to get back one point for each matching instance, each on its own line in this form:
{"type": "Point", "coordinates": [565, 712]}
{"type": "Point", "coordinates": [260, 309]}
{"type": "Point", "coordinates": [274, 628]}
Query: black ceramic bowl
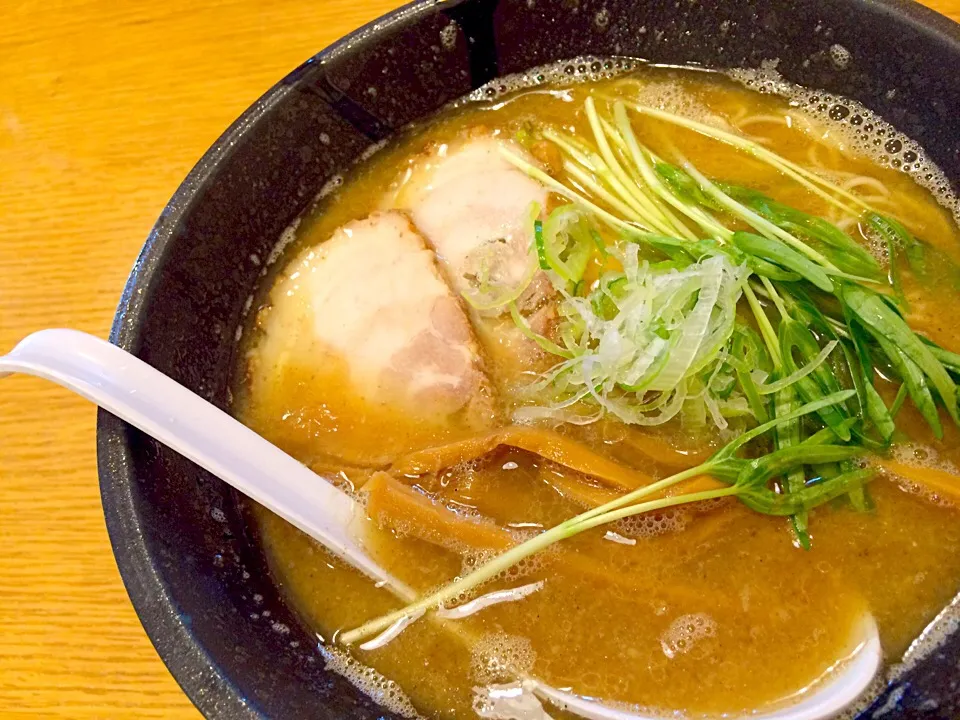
{"type": "Point", "coordinates": [193, 570]}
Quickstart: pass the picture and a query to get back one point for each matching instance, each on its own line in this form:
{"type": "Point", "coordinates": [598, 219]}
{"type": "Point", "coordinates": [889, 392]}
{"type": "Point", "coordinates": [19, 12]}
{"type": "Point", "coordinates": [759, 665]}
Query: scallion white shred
{"type": "Point", "coordinates": [657, 347]}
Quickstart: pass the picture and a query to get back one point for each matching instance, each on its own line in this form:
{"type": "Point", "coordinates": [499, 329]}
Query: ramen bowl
{"type": "Point", "coordinates": [183, 540]}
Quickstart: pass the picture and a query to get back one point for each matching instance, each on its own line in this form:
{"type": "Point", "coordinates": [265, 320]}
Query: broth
{"type": "Point", "coordinates": [702, 609]}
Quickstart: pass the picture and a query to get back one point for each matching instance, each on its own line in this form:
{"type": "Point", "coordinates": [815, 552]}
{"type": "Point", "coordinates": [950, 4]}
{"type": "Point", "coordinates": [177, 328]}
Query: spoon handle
{"type": "Point", "coordinates": [159, 406]}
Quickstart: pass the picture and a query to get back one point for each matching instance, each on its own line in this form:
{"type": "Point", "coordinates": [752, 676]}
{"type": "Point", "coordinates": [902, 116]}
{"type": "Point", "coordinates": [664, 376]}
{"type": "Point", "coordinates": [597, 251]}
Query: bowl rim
{"type": "Point", "coordinates": [215, 696]}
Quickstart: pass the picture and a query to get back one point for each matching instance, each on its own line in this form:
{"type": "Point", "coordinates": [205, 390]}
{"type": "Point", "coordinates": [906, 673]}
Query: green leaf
{"type": "Point", "coordinates": [877, 412]}
{"type": "Point", "coordinates": [879, 317]}
{"type": "Point", "coordinates": [872, 407]}
{"type": "Point", "coordinates": [770, 503]}
{"type": "Point", "coordinates": [775, 251]}
{"type": "Point", "coordinates": [841, 249]}
{"type": "Point", "coordinates": [761, 267]}
{"type": "Point", "coordinates": [788, 435]}
{"type": "Point", "coordinates": [733, 446]}
{"type": "Point", "coordinates": [673, 248]}
{"type": "Point", "coordinates": [684, 186]}
{"type": "Point", "coordinates": [748, 354]}
{"type": "Point", "coordinates": [896, 238]}
{"type": "Point", "coordinates": [898, 400]}
{"type": "Point", "coordinates": [779, 462]}
{"type": "Point", "coordinates": [827, 435]}
{"type": "Point", "coordinates": [916, 383]}
{"type": "Point", "coordinates": [927, 262]}
{"type": "Point", "coordinates": [859, 497]}
{"type": "Point", "coordinates": [860, 362]}
{"type": "Point", "coordinates": [797, 337]}
{"type": "Point", "coordinates": [818, 317]}
{"type": "Point", "coordinates": [950, 360]}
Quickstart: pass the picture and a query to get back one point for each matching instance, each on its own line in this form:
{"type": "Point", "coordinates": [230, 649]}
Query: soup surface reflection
{"type": "Point", "coordinates": [378, 335]}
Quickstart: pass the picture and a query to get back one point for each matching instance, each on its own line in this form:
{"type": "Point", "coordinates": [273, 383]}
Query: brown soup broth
{"type": "Point", "coordinates": [713, 609]}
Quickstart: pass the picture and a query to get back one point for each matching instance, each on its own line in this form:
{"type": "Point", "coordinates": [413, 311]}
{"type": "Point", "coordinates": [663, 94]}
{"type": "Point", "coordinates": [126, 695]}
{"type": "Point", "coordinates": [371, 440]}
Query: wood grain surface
{"type": "Point", "coordinates": [104, 107]}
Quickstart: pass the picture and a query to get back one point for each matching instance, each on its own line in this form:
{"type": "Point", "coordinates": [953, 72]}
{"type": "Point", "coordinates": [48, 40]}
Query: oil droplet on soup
{"type": "Point", "coordinates": [363, 350]}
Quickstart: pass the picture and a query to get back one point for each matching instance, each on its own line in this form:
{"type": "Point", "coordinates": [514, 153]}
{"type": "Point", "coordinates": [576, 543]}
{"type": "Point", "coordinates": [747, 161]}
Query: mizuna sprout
{"type": "Point", "coordinates": [691, 315]}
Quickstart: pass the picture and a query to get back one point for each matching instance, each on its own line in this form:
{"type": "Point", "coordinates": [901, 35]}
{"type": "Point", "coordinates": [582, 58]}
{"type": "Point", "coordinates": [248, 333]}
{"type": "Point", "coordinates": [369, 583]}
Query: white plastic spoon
{"type": "Point", "coordinates": [159, 406]}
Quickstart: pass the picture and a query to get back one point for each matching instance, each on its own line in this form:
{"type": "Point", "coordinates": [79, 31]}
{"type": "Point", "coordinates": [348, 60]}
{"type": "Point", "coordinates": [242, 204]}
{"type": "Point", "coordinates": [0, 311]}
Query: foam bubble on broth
{"type": "Point", "coordinates": [667, 95]}
{"type": "Point", "coordinates": [857, 127]}
{"type": "Point", "coordinates": [651, 524]}
{"type": "Point", "coordinates": [368, 681]}
{"type": "Point", "coordinates": [286, 238]}
{"type": "Point", "coordinates": [498, 657]}
{"type": "Point", "coordinates": [587, 68]}
{"type": "Point", "coordinates": [927, 457]}
{"type": "Point", "coordinates": [685, 632]}
{"type": "Point", "coordinates": [916, 454]}
{"type": "Point", "coordinates": [524, 568]}
{"type": "Point", "coordinates": [840, 56]}
{"type": "Point", "coordinates": [473, 559]}
{"type": "Point", "coordinates": [875, 244]}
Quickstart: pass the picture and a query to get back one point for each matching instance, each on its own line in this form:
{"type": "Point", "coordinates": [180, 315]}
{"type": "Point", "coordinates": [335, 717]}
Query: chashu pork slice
{"type": "Point", "coordinates": [367, 343]}
{"type": "Point", "coordinates": [472, 206]}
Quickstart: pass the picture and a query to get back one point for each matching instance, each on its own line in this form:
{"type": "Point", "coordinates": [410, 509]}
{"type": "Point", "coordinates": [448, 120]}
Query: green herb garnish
{"type": "Point", "coordinates": [693, 316]}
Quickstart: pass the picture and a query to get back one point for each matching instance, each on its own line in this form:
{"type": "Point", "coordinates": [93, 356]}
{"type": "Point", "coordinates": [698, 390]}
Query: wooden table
{"type": "Point", "coordinates": [104, 107]}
